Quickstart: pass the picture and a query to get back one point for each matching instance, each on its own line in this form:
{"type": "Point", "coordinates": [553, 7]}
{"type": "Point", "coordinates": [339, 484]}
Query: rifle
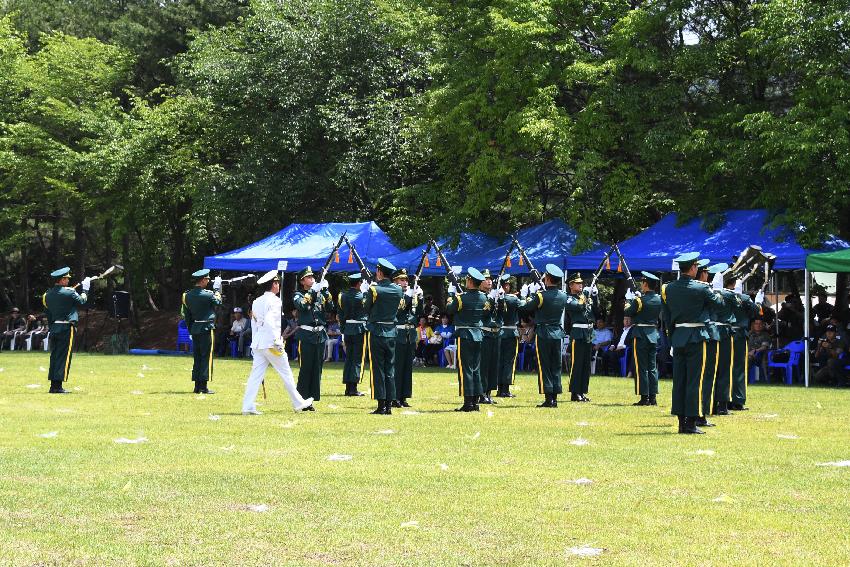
{"type": "Point", "coordinates": [331, 256]}
{"type": "Point", "coordinates": [238, 279]}
{"type": "Point", "coordinates": [505, 261]}
{"type": "Point", "coordinates": [421, 265]}
{"type": "Point", "coordinates": [601, 266]}
{"type": "Point", "coordinates": [364, 271]}
{"type": "Point", "coordinates": [450, 273]}
{"type": "Point", "coordinates": [535, 275]}
{"type": "Point", "coordinates": [103, 275]}
{"type": "Point", "coordinates": [626, 268]}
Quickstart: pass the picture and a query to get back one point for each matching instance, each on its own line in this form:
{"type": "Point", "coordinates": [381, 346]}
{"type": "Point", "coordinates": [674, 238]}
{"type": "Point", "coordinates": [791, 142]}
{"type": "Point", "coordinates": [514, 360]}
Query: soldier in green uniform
{"type": "Point", "coordinates": [491, 324]}
{"type": "Point", "coordinates": [711, 350]}
{"type": "Point", "coordinates": [198, 311]}
{"type": "Point", "coordinates": [580, 308]}
{"type": "Point", "coordinates": [409, 310]}
{"type": "Point", "coordinates": [312, 302]}
{"type": "Point", "coordinates": [381, 303]}
{"type": "Point", "coordinates": [723, 318]}
{"type": "Point", "coordinates": [685, 312]}
{"type": "Point", "coordinates": [508, 338]}
{"type": "Point", "coordinates": [744, 312]}
{"type": "Point", "coordinates": [548, 305]}
{"type": "Point", "coordinates": [468, 311]}
{"type": "Point", "coordinates": [352, 317]}
{"type": "Point", "coordinates": [645, 308]}
{"type": "Point", "coordinates": [61, 302]}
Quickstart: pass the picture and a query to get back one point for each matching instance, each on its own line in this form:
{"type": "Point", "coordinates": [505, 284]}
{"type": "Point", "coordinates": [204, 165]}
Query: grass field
{"type": "Point", "coordinates": [428, 488]}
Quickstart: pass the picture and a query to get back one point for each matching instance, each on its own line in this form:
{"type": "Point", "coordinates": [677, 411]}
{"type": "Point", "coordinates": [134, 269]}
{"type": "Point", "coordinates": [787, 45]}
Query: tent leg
{"type": "Point", "coordinates": [806, 318]}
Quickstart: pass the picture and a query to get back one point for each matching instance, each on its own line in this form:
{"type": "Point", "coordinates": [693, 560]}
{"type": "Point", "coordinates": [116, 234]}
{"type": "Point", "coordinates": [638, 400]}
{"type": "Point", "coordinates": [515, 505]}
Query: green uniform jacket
{"type": "Point", "coordinates": [468, 311]}
{"type": "Point", "coordinates": [510, 316]}
{"type": "Point", "coordinates": [686, 302]}
{"type": "Point", "coordinates": [199, 309]}
{"type": "Point", "coordinates": [744, 311]}
{"type": "Point", "coordinates": [351, 309]}
{"type": "Point", "coordinates": [548, 308]}
{"type": "Point", "coordinates": [61, 304]}
{"type": "Point", "coordinates": [726, 314]}
{"type": "Point", "coordinates": [645, 310]}
{"type": "Point", "coordinates": [580, 308]}
{"type": "Point", "coordinates": [409, 311]}
{"type": "Point", "coordinates": [381, 303]}
{"type": "Point", "coordinates": [491, 319]}
{"type": "Point", "coordinates": [311, 307]}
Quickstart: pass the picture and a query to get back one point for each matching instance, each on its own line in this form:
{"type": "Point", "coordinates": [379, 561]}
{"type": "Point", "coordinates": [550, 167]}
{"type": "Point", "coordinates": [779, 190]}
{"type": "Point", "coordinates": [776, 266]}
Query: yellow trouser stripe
{"type": "Point", "coordinates": [371, 364]}
{"type": "Point", "coordinates": [637, 367]}
{"type": "Point", "coordinates": [731, 365]}
{"type": "Point", "coordinates": [746, 372]}
{"type": "Point", "coordinates": [714, 381]}
{"type": "Point", "coordinates": [68, 356]}
{"type": "Point", "coordinates": [572, 358]}
{"type": "Point", "coordinates": [459, 369]}
{"type": "Point", "coordinates": [539, 366]}
{"type": "Point", "coordinates": [513, 368]}
{"type": "Point", "coordinates": [212, 350]}
{"type": "Point", "coordinates": [363, 359]}
{"type": "Point", "coordinates": [702, 376]}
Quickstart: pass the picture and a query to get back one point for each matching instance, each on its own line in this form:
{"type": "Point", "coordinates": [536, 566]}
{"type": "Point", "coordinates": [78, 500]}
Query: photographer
{"type": "Point", "coordinates": [831, 367]}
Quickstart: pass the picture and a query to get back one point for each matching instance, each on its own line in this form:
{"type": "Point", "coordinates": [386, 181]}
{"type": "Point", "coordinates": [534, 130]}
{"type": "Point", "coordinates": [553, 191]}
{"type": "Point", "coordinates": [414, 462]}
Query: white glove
{"type": "Point", "coordinates": [532, 288]}
{"type": "Point", "coordinates": [217, 283]}
{"type": "Point", "coordinates": [501, 293]}
{"type": "Point", "coordinates": [494, 294]}
{"type": "Point", "coordinates": [452, 289]}
{"type": "Point", "coordinates": [86, 283]}
{"type": "Point", "coordinates": [594, 291]}
{"type": "Point", "coordinates": [409, 292]}
{"type": "Point", "coordinates": [717, 281]}
{"type": "Point", "coordinates": [671, 351]}
{"type": "Point", "coordinates": [418, 291]}
{"type": "Point", "coordinates": [364, 287]}
{"type": "Point", "coordinates": [316, 287]}
{"type": "Point", "coordinates": [739, 286]}
{"type": "Point", "coordinates": [523, 291]}
{"type": "Point", "coordinates": [325, 284]}
{"type": "Point", "coordinates": [760, 297]}
{"type": "Point", "coordinates": [630, 295]}
{"type": "Point", "coordinates": [637, 294]}
{"type": "Point", "coordinates": [278, 343]}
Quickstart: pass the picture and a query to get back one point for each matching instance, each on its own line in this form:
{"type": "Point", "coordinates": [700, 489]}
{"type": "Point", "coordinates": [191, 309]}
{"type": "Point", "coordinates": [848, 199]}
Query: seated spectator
{"type": "Point", "coordinates": [602, 338]}
{"type": "Point", "coordinates": [759, 343]}
{"type": "Point", "coordinates": [424, 347]}
{"type": "Point", "coordinates": [431, 312]}
{"type": "Point", "coordinates": [24, 334]}
{"type": "Point", "coordinates": [611, 355]}
{"type": "Point", "coordinates": [334, 333]}
{"type": "Point", "coordinates": [446, 331]}
{"type": "Point", "coordinates": [791, 319]}
{"type": "Point", "coordinates": [289, 328]}
{"type": "Point", "coordinates": [823, 310]}
{"type": "Point", "coordinates": [238, 328]}
{"type": "Point", "coordinates": [15, 325]}
{"type": "Point", "coordinates": [526, 341]}
{"type": "Point", "coordinates": [828, 357]}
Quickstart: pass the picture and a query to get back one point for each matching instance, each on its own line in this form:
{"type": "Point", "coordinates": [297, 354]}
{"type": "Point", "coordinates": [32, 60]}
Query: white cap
{"type": "Point", "coordinates": [267, 277]}
{"type": "Point", "coordinates": [237, 310]}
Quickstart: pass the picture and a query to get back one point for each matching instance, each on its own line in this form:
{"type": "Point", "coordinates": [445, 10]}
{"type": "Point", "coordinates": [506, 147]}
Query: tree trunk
{"type": "Point", "coordinates": [24, 299]}
{"type": "Point", "coordinates": [79, 247]}
{"type": "Point", "coordinates": [107, 254]}
{"type": "Point", "coordinates": [56, 242]}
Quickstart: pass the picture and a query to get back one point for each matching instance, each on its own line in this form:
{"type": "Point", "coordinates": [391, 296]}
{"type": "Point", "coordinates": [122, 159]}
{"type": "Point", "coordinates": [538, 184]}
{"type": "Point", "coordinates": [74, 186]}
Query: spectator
{"type": "Point", "coordinates": [15, 325]}
{"type": "Point", "coordinates": [823, 310]}
{"type": "Point", "coordinates": [526, 340]}
{"type": "Point", "coordinates": [288, 332]}
{"type": "Point", "coordinates": [612, 354]}
{"type": "Point", "coordinates": [424, 347]}
{"type": "Point", "coordinates": [827, 356]}
{"type": "Point", "coordinates": [759, 343]}
{"type": "Point", "coordinates": [430, 311]}
{"type": "Point", "coordinates": [446, 331]}
{"type": "Point", "coordinates": [239, 328]}
{"type": "Point", "coordinates": [24, 334]}
{"type": "Point", "coordinates": [602, 338]}
{"type": "Point", "coordinates": [334, 334]}
{"type": "Point", "coordinates": [791, 319]}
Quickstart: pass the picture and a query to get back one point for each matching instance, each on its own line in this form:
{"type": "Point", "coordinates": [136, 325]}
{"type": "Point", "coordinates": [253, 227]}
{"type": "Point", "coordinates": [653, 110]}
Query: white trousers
{"type": "Point", "coordinates": [262, 359]}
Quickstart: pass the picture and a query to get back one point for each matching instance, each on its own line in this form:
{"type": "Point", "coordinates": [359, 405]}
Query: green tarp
{"type": "Point", "coordinates": [838, 261]}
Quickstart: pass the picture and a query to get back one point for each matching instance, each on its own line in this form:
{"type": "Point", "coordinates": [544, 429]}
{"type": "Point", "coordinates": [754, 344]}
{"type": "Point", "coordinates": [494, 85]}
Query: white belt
{"type": "Point", "coordinates": [645, 325]}
{"type": "Point", "coordinates": [404, 327]}
{"type": "Point", "coordinates": [383, 322]}
{"type": "Point", "coordinates": [509, 327]}
{"type": "Point", "coordinates": [582, 326]}
{"type": "Point", "coordinates": [723, 324]}
{"type": "Point", "coordinates": [55, 322]}
{"type": "Point", "coordinates": [354, 321]}
{"type": "Point", "coordinates": [490, 329]}
{"type": "Point", "coordinates": [313, 329]}
{"type": "Point", "coordinates": [691, 325]}
{"type": "Point", "coordinates": [462, 327]}
{"type": "Point", "coordinates": [204, 321]}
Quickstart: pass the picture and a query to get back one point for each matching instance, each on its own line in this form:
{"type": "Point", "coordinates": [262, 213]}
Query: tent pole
{"type": "Point", "coordinates": [806, 309]}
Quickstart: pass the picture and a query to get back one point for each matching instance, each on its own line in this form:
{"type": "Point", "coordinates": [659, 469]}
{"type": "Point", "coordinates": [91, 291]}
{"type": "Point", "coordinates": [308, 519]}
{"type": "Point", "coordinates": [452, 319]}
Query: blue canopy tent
{"type": "Point", "coordinates": [303, 245]}
{"type": "Point", "coordinates": [468, 252]}
{"type": "Point", "coordinates": [654, 248]}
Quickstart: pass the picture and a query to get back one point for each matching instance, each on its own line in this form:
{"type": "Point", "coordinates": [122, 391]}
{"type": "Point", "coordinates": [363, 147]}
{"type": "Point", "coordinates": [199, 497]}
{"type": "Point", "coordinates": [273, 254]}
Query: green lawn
{"type": "Point", "coordinates": [428, 488]}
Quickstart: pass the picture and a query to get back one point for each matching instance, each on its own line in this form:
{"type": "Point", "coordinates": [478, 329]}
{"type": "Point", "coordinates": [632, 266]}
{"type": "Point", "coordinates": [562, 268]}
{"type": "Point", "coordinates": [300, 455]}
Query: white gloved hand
{"type": "Point", "coordinates": [739, 286]}
{"type": "Point", "coordinates": [523, 291]}
{"type": "Point", "coordinates": [409, 292]}
{"type": "Point", "coordinates": [532, 288]}
{"type": "Point", "coordinates": [637, 294]}
{"type": "Point", "coordinates": [278, 343]}
{"type": "Point", "coordinates": [717, 281]}
{"type": "Point", "coordinates": [364, 287]}
{"type": "Point", "coordinates": [760, 297]}
{"type": "Point", "coordinates": [629, 295]}
{"type": "Point", "coordinates": [217, 283]}
{"type": "Point", "coordinates": [594, 291]}
{"type": "Point", "coordinates": [494, 294]}
{"type": "Point", "coordinates": [671, 351]}
{"type": "Point", "coordinates": [501, 293]}
{"type": "Point", "coordinates": [316, 287]}
{"type": "Point", "coordinates": [325, 284]}
{"type": "Point", "coordinates": [86, 284]}
{"type": "Point", "coordinates": [452, 289]}
{"type": "Point", "coordinates": [418, 291]}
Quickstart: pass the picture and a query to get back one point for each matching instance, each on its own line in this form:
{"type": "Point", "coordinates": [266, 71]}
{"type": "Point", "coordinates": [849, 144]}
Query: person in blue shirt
{"type": "Point", "coordinates": [447, 331]}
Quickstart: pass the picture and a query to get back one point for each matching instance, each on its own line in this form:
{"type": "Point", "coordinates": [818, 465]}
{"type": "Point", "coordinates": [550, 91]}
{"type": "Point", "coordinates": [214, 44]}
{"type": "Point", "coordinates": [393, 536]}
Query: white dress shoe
{"type": "Point", "coordinates": [252, 412]}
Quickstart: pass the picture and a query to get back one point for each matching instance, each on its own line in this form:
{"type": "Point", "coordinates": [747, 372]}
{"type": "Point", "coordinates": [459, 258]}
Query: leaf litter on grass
{"type": "Point", "coordinates": [338, 457]}
{"type": "Point", "coordinates": [48, 435]}
{"type": "Point", "coordinates": [126, 441]}
{"type": "Point", "coordinates": [835, 464]}
{"type": "Point", "coordinates": [579, 442]}
{"type": "Point", "coordinates": [585, 551]}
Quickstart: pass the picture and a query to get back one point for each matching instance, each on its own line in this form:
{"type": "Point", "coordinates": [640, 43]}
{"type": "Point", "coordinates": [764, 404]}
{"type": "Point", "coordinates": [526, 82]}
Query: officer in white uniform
{"type": "Point", "coordinates": [267, 346]}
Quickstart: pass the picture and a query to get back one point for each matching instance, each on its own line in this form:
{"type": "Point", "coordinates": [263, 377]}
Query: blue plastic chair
{"type": "Point", "coordinates": [441, 355]}
{"type": "Point", "coordinates": [337, 349]}
{"type": "Point", "coordinates": [624, 362]}
{"type": "Point", "coordinates": [233, 345]}
{"type": "Point", "coordinates": [520, 361]}
{"type": "Point", "coordinates": [183, 336]}
{"type": "Point", "coordinates": [796, 348]}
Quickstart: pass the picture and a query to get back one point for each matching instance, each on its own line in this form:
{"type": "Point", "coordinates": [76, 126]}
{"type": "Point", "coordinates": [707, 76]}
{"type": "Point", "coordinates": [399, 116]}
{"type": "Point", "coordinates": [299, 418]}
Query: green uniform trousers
{"type": "Point", "coordinates": [740, 368]}
{"type": "Point", "coordinates": [548, 365]}
{"type": "Point", "coordinates": [61, 350]}
{"type": "Point", "coordinates": [689, 371]}
{"type": "Point", "coordinates": [354, 354]}
{"type": "Point", "coordinates": [404, 352]}
{"type": "Point", "coordinates": [710, 381]}
{"type": "Point", "coordinates": [381, 366]}
{"type": "Point", "coordinates": [508, 352]}
{"type": "Point", "coordinates": [646, 367]}
{"type": "Point", "coordinates": [490, 362]}
{"type": "Point", "coordinates": [202, 347]}
{"type": "Point", "coordinates": [723, 381]}
{"type": "Point", "coordinates": [580, 355]}
{"type": "Point", "coordinates": [311, 358]}
{"type": "Point", "coordinates": [469, 368]}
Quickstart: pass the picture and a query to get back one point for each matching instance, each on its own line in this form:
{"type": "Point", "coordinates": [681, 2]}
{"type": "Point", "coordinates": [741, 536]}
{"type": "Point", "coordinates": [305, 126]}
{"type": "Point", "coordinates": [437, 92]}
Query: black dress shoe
{"type": "Point", "coordinates": [309, 408]}
{"type": "Point", "coordinates": [644, 401]}
{"type": "Point", "coordinates": [653, 401]}
{"type": "Point", "coordinates": [59, 391]}
{"type": "Point", "coordinates": [506, 394]}
{"type": "Point", "coordinates": [575, 397]}
{"type": "Point", "coordinates": [738, 407]}
{"type": "Point", "coordinates": [354, 394]}
{"type": "Point", "coordinates": [690, 427]}
{"type": "Point", "coordinates": [703, 422]}
{"type": "Point", "coordinates": [395, 404]}
{"type": "Point", "coordinates": [404, 404]}
{"type": "Point", "coordinates": [547, 403]}
{"type": "Point", "coordinates": [205, 391]}
{"type": "Point", "coordinates": [584, 398]}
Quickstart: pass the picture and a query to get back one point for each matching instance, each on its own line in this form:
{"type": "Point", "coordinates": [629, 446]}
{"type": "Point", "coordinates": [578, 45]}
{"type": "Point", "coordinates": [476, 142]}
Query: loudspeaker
{"type": "Point", "coordinates": [120, 305]}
